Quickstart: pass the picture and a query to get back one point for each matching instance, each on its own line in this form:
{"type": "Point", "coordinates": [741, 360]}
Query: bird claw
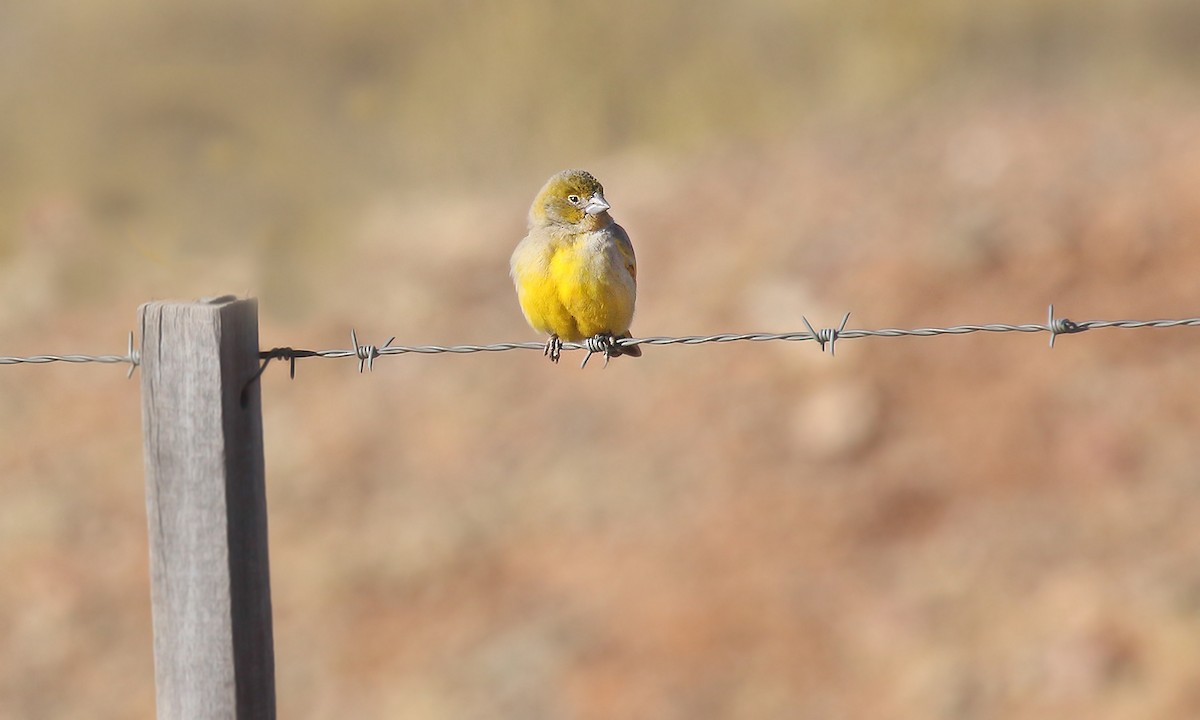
{"type": "Point", "coordinates": [553, 349]}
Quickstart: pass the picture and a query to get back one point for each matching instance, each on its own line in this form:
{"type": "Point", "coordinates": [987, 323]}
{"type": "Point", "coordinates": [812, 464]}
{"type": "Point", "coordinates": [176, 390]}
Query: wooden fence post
{"type": "Point", "coordinates": [206, 510]}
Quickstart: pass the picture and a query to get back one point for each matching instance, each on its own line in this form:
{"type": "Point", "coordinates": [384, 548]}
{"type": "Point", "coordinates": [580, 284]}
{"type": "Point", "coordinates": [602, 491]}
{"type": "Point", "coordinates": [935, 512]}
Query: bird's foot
{"type": "Point", "coordinates": [599, 343]}
{"type": "Point", "coordinates": [553, 349]}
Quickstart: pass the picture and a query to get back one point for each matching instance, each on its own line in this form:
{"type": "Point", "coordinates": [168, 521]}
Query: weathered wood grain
{"type": "Point", "coordinates": [206, 510]}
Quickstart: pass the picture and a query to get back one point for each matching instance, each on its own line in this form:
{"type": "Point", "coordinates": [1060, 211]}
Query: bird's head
{"type": "Point", "coordinates": [571, 198]}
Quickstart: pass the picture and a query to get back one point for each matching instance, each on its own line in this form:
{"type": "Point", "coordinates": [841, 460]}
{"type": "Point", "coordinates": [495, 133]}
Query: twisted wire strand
{"type": "Point", "coordinates": [132, 356]}
{"type": "Point", "coordinates": [42, 359]}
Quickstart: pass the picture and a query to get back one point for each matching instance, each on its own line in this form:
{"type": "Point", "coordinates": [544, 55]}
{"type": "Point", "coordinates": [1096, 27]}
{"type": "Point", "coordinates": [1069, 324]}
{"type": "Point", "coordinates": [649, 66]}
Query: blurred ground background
{"type": "Point", "coordinates": [960, 527]}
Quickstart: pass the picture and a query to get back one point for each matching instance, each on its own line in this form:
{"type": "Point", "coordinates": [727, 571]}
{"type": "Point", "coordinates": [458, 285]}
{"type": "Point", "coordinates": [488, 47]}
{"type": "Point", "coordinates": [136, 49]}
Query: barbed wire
{"type": "Point", "coordinates": [824, 337]}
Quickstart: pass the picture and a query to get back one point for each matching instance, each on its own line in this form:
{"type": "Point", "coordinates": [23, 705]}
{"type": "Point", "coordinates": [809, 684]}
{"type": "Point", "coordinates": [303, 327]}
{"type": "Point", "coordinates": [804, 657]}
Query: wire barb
{"type": "Point", "coordinates": [134, 355]}
{"type": "Point", "coordinates": [598, 344]}
{"type": "Point", "coordinates": [1061, 326]}
{"type": "Point", "coordinates": [826, 335]}
{"type": "Point", "coordinates": [366, 354]}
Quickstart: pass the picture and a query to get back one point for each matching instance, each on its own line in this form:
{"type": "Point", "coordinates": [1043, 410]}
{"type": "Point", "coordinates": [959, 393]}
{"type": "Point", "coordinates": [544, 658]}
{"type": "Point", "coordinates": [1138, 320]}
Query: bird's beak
{"type": "Point", "coordinates": [596, 204]}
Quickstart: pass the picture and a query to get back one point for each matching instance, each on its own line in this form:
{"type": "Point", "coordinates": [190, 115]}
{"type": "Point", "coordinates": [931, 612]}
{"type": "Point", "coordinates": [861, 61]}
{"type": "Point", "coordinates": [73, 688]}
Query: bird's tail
{"type": "Point", "coordinates": [630, 350]}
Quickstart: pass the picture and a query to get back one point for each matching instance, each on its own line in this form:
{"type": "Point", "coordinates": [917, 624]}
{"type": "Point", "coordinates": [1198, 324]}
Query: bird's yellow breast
{"type": "Point", "coordinates": [570, 288]}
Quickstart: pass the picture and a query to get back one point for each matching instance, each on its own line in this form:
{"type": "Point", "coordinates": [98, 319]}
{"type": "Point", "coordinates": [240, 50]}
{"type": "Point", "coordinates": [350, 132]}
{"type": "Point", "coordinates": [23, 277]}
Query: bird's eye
{"type": "Point", "coordinates": [573, 199]}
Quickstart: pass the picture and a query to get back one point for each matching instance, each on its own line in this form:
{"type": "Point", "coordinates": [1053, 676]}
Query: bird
{"type": "Point", "coordinates": [575, 271]}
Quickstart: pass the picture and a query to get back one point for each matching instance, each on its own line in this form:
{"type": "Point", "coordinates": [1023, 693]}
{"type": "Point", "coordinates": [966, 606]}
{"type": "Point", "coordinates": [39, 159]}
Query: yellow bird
{"type": "Point", "coordinates": [575, 271]}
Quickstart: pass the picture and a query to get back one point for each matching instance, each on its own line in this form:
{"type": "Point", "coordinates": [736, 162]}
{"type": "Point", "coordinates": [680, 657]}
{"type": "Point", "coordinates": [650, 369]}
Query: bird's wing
{"type": "Point", "coordinates": [625, 247]}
